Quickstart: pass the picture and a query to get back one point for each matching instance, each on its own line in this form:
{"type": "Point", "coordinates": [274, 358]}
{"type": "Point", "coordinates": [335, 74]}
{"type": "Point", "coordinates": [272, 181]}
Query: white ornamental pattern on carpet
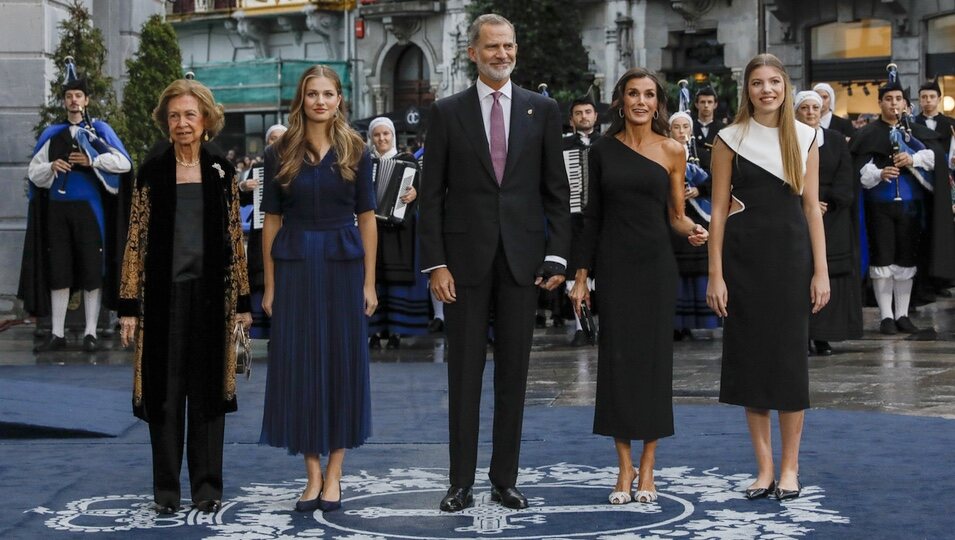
{"type": "Point", "coordinates": [565, 502]}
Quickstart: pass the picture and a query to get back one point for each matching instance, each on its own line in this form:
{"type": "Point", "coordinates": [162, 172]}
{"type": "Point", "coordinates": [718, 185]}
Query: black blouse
{"type": "Point", "coordinates": [187, 242]}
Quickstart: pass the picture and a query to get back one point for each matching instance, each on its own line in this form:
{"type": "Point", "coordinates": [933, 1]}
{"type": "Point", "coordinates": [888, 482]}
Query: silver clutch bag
{"type": "Point", "coordinates": [243, 351]}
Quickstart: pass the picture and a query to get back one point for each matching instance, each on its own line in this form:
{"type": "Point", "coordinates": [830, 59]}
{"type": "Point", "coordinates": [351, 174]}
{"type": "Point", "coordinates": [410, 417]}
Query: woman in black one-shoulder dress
{"type": "Point", "coordinates": [636, 196]}
{"type": "Point", "coordinates": [767, 266]}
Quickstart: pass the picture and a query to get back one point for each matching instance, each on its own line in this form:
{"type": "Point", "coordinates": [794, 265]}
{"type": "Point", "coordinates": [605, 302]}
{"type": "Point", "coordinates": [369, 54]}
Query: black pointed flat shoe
{"type": "Point", "coordinates": [761, 493]}
{"type": "Point", "coordinates": [786, 494]}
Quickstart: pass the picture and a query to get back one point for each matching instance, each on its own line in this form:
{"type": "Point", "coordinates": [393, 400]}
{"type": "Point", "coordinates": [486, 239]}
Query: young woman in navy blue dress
{"type": "Point", "coordinates": [319, 243]}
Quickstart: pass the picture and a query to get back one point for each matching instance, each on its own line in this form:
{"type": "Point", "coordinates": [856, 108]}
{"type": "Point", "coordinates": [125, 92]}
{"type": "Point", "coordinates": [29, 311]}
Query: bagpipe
{"type": "Point", "coordinates": [902, 141]}
{"type": "Point", "coordinates": [695, 176]}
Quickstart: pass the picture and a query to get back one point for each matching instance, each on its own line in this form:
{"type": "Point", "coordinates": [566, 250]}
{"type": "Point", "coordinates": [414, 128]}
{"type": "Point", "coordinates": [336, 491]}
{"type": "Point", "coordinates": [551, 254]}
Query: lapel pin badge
{"type": "Point", "coordinates": [530, 112]}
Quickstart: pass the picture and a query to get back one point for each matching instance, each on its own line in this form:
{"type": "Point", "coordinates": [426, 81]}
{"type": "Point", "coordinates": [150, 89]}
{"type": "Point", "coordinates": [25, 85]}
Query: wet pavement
{"type": "Point", "coordinates": [877, 373]}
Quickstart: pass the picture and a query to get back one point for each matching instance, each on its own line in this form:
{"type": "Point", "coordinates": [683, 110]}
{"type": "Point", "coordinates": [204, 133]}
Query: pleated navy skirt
{"type": "Point", "coordinates": [317, 396]}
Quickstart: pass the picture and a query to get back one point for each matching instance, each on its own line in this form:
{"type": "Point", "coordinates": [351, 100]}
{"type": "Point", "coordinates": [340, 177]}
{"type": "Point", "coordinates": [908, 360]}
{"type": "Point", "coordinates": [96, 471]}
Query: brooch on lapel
{"type": "Point", "coordinates": [218, 167]}
{"type": "Point", "coordinates": [530, 112]}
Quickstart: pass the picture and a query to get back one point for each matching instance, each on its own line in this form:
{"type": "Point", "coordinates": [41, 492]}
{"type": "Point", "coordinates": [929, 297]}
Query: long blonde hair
{"type": "Point", "coordinates": [292, 147]}
{"type": "Point", "coordinates": [788, 142]}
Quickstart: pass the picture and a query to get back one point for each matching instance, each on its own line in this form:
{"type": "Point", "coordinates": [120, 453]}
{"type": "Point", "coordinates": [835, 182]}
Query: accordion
{"type": "Point", "coordinates": [258, 216]}
{"type": "Point", "coordinates": [578, 175]}
{"type": "Point", "coordinates": [392, 178]}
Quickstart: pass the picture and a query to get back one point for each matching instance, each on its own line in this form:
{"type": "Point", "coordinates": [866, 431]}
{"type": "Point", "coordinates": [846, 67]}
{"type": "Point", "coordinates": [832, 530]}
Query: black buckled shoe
{"type": "Point", "coordinates": [823, 348]}
{"type": "Point", "coordinates": [887, 327]}
{"type": "Point", "coordinates": [53, 343]}
{"type": "Point", "coordinates": [165, 509]}
{"type": "Point", "coordinates": [510, 497]}
{"type": "Point", "coordinates": [89, 343]}
{"type": "Point", "coordinates": [904, 324]}
{"type": "Point", "coordinates": [394, 342]}
{"type": "Point", "coordinates": [209, 506]}
{"type": "Point", "coordinates": [580, 339]}
{"type": "Point", "coordinates": [761, 493]}
{"type": "Point", "coordinates": [457, 499]}
{"type": "Point", "coordinates": [435, 326]}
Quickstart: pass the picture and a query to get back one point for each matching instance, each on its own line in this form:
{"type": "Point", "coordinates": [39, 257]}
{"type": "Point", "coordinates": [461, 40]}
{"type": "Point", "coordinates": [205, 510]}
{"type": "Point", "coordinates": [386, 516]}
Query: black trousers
{"type": "Point", "coordinates": [895, 230]}
{"type": "Point", "coordinates": [205, 432]}
{"type": "Point", "coordinates": [75, 246]}
{"type": "Point", "coordinates": [467, 319]}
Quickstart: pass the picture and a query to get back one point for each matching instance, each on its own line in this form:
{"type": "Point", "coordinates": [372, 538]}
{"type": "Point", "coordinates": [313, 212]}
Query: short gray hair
{"type": "Point", "coordinates": [474, 31]}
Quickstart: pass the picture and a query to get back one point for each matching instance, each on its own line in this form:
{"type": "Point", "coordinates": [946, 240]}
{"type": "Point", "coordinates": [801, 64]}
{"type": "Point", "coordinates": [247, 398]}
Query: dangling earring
{"type": "Point", "coordinates": [170, 137]}
{"type": "Point", "coordinates": [620, 112]}
{"type": "Point", "coordinates": [205, 136]}
{"type": "Point", "coordinates": [656, 114]}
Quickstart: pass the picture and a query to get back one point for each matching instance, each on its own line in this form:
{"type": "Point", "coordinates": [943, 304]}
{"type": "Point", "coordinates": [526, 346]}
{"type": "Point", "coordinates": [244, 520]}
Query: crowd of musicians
{"type": "Point", "coordinates": [775, 226]}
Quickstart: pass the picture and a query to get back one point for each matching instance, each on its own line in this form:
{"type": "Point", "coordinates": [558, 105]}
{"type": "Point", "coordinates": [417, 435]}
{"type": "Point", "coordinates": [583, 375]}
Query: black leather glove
{"type": "Point", "coordinates": [550, 268]}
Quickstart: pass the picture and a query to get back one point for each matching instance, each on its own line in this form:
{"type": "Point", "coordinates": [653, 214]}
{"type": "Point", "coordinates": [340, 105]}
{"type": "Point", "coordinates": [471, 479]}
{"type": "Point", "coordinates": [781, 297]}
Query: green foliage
{"type": "Point", "coordinates": [79, 39]}
{"type": "Point", "coordinates": [549, 50]}
{"type": "Point", "coordinates": [157, 63]}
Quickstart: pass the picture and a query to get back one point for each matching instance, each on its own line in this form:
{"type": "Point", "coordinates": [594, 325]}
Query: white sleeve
{"type": "Point", "coordinates": [39, 170]}
{"type": "Point", "coordinates": [924, 159]}
{"type": "Point", "coordinates": [113, 162]}
{"type": "Point", "coordinates": [870, 175]}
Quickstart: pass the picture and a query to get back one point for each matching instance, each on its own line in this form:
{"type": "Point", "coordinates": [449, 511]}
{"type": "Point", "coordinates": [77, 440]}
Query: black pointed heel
{"type": "Point", "coordinates": [761, 493]}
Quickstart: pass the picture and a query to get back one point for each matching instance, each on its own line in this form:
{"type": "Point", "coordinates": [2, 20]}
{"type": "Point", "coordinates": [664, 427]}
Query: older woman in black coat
{"type": "Point", "coordinates": [184, 278]}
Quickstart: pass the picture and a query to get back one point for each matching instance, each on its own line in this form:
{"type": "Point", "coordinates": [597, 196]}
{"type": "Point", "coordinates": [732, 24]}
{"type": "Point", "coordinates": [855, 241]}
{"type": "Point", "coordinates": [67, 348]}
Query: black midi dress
{"type": "Point", "coordinates": [627, 238]}
{"type": "Point", "coordinates": [767, 266]}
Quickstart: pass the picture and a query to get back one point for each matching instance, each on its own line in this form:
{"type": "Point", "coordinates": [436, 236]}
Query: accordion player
{"type": "Point", "coordinates": [392, 178]}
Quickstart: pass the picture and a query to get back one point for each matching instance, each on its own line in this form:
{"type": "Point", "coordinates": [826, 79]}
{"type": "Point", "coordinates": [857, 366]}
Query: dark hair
{"type": "Point", "coordinates": [659, 124]}
{"type": "Point", "coordinates": [930, 86]}
{"type": "Point", "coordinates": [583, 100]}
{"type": "Point", "coordinates": [705, 91]}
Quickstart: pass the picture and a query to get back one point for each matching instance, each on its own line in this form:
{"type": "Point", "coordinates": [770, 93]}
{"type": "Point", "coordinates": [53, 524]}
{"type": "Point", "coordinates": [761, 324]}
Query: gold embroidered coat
{"type": "Point", "coordinates": [147, 280]}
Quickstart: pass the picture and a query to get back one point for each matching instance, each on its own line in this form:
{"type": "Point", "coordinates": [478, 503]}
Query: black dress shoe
{"type": "Point", "coordinates": [53, 343]}
{"type": "Point", "coordinates": [394, 341]}
{"type": "Point", "coordinates": [166, 509]}
{"type": "Point", "coordinates": [823, 348]}
{"type": "Point", "coordinates": [374, 342]}
{"type": "Point", "coordinates": [89, 343]}
{"type": "Point", "coordinates": [904, 324]}
{"type": "Point", "coordinates": [540, 321]}
{"type": "Point", "coordinates": [435, 326]}
{"type": "Point", "coordinates": [457, 499]}
{"type": "Point", "coordinates": [786, 494]}
{"type": "Point", "coordinates": [557, 322]}
{"type": "Point", "coordinates": [310, 505]}
{"type": "Point", "coordinates": [510, 497]}
{"type": "Point", "coordinates": [761, 493]}
{"type": "Point", "coordinates": [580, 339]}
{"type": "Point", "coordinates": [208, 506]}
{"type": "Point", "coordinates": [887, 327]}
{"type": "Point", "coordinates": [329, 506]}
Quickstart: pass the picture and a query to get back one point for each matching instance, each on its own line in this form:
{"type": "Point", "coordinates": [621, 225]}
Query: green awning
{"type": "Point", "coordinates": [267, 83]}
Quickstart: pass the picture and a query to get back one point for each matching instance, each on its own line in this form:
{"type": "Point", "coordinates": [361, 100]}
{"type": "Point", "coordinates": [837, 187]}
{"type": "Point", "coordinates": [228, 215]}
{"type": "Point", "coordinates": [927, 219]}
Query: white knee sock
{"type": "Point", "coordinates": [59, 299]}
{"type": "Point", "coordinates": [91, 303]}
{"type": "Point", "coordinates": [902, 291]}
{"type": "Point", "coordinates": [883, 296]}
{"type": "Point", "coordinates": [438, 307]}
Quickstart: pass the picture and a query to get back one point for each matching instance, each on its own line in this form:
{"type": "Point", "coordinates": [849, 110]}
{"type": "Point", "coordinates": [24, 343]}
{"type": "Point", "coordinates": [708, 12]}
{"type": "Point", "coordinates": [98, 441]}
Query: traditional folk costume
{"type": "Point", "coordinates": [71, 239]}
{"type": "Point", "coordinates": [829, 119]}
{"type": "Point", "coordinates": [896, 212]}
{"type": "Point", "coordinates": [693, 261]}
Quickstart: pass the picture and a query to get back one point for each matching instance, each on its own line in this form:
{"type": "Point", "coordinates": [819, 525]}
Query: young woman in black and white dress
{"type": "Point", "coordinates": [767, 266]}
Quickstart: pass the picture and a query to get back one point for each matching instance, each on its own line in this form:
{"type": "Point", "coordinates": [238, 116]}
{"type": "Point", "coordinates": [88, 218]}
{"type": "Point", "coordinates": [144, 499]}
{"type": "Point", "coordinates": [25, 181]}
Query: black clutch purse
{"type": "Point", "coordinates": [242, 344]}
{"type": "Point", "coordinates": [588, 324]}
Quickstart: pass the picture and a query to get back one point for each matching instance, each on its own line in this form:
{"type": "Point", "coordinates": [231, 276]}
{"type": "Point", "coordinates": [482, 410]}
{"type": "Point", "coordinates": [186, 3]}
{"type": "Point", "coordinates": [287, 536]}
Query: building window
{"type": "Point", "coordinates": [941, 35]}
{"type": "Point", "coordinates": [851, 57]}
{"type": "Point", "coordinates": [940, 60]}
{"type": "Point", "coordinates": [863, 39]}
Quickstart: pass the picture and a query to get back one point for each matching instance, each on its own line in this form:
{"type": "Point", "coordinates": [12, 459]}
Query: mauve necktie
{"type": "Point", "coordinates": [498, 140]}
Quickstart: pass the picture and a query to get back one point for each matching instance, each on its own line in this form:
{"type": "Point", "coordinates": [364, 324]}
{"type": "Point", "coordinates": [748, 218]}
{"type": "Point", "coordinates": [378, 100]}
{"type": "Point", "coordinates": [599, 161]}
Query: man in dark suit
{"type": "Point", "coordinates": [930, 96]}
{"type": "Point", "coordinates": [495, 225]}
{"type": "Point", "coordinates": [705, 124]}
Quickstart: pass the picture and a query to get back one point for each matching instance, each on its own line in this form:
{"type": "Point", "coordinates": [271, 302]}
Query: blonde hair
{"type": "Point", "coordinates": [788, 142]}
{"type": "Point", "coordinates": [292, 147]}
{"type": "Point", "coordinates": [212, 113]}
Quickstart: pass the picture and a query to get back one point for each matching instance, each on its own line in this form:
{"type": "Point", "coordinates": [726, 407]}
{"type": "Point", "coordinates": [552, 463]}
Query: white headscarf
{"type": "Point", "coordinates": [810, 95]}
{"type": "Point", "coordinates": [275, 127]}
{"type": "Point", "coordinates": [382, 121]}
{"type": "Point", "coordinates": [681, 114]}
{"type": "Point", "coordinates": [827, 89]}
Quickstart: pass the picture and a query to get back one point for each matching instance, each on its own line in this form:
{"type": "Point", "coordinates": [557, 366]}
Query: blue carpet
{"type": "Point", "coordinates": [866, 475]}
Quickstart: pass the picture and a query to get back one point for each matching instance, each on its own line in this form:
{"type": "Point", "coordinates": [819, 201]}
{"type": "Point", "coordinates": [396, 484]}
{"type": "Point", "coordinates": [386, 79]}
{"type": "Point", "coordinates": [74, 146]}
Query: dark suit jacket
{"type": "Point", "coordinates": [842, 125]}
{"type": "Point", "coordinates": [704, 144]}
{"type": "Point", "coordinates": [465, 214]}
{"type": "Point", "coordinates": [943, 126]}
